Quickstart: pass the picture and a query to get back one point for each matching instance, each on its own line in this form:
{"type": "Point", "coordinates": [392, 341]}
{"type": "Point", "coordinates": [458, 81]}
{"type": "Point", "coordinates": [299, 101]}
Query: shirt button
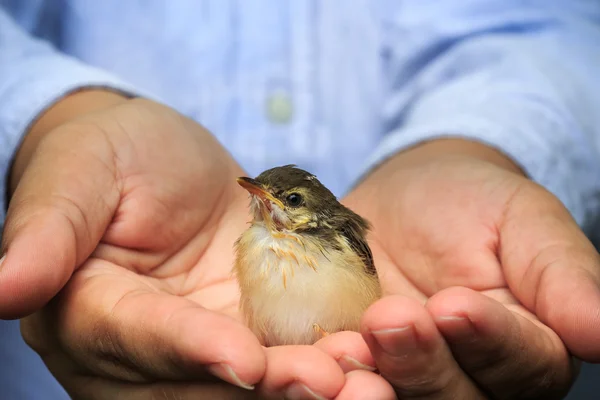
{"type": "Point", "coordinates": [279, 107]}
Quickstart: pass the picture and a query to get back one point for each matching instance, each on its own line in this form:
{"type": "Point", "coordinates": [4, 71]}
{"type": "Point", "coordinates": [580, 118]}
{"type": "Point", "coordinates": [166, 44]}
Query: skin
{"type": "Point", "coordinates": [131, 295]}
{"type": "Point", "coordinates": [496, 282]}
{"type": "Point", "coordinates": [140, 313]}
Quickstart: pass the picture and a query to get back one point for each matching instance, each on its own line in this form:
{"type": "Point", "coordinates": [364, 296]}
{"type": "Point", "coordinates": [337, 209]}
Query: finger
{"type": "Point", "coordinates": [362, 385]}
{"type": "Point", "coordinates": [90, 388]}
{"type": "Point", "coordinates": [55, 219]}
{"type": "Point", "coordinates": [349, 350]}
{"type": "Point", "coordinates": [135, 334]}
{"type": "Point", "coordinates": [553, 269]}
{"type": "Point", "coordinates": [300, 372]}
{"type": "Point", "coordinates": [410, 352]}
{"type": "Point", "coordinates": [508, 354]}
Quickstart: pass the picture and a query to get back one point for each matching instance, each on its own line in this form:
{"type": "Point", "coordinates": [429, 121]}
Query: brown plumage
{"type": "Point", "coordinates": [304, 266]}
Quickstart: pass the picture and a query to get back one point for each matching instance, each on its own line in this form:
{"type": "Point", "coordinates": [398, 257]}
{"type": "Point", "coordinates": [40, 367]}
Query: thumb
{"type": "Point", "coordinates": [553, 269]}
{"type": "Point", "coordinates": [64, 201]}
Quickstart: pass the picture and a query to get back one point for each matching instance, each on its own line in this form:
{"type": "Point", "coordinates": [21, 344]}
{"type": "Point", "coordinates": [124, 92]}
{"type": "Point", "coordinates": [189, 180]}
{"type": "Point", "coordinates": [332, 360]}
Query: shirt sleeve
{"type": "Point", "coordinates": [521, 77]}
{"type": "Point", "coordinates": [33, 76]}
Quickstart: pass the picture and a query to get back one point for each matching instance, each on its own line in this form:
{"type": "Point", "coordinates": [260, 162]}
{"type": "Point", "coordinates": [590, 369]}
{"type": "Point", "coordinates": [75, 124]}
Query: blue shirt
{"type": "Point", "coordinates": [334, 86]}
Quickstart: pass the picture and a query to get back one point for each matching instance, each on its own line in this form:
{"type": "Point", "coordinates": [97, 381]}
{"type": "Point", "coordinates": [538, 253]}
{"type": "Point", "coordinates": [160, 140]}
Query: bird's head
{"type": "Point", "coordinates": [289, 198]}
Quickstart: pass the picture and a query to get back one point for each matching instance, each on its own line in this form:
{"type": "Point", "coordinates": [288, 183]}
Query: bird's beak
{"type": "Point", "coordinates": [254, 187]}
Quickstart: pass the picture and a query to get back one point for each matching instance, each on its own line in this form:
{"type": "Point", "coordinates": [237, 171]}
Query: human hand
{"type": "Point", "coordinates": [119, 240]}
{"type": "Point", "coordinates": [490, 283]}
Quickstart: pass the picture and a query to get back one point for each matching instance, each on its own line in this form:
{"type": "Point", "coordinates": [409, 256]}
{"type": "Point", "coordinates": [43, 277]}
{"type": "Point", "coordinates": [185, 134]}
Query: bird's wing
{"type": "Point", "coordinates": [359, 244]}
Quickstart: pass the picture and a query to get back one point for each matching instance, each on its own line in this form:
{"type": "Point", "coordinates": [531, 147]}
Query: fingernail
{"type": "Point", "coordinates": [226, 373]}
{"type": "Point", "coordinates": [355, 364]}
{"type": "Point", "coordinates": [396, 341]}
{"type": "Point", "coordinates": [299, 391]}
{"type": "Point", "coordinates": [455, 326]}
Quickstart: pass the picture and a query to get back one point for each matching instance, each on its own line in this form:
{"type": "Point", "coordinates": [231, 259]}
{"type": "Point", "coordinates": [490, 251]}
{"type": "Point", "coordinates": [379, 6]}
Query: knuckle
{"type": "Point", "coordinates": [549, 380]}
{"type": "Point", "coordinates": [426, 382]}
{"type": "Point", "coordinates": [108, 345]}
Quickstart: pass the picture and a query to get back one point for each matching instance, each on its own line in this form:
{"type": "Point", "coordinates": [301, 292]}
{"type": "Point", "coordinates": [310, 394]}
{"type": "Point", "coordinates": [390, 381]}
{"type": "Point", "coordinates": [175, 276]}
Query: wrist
{"type": "Point", "coordinates": [441, 149]}
{"type": "Point", "coordinates": [433, 152]}
{"type": "Point", "coordinates": [67, 109]}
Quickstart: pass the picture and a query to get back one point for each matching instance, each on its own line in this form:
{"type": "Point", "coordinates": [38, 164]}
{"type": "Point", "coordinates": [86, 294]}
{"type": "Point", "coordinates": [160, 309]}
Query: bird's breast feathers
{"type": "Point", "coordinates": [290, 281]}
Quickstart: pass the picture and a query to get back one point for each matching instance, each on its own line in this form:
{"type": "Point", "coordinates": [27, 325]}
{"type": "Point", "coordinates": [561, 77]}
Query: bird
{"type": "Point", "coordinates": [304, 265]}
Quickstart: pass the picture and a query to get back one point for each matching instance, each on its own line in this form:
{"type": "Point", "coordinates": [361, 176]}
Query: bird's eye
{"type": "Point", "coordinates": [293, 200]}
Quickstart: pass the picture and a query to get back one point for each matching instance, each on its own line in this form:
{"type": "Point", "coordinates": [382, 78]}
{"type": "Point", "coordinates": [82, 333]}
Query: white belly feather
{"type": "Point", "coordinates": [288, 284]}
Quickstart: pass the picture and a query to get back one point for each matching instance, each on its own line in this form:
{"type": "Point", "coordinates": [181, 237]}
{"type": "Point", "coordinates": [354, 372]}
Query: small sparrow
{"type": "Point", "coordinates": [304, 266]}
